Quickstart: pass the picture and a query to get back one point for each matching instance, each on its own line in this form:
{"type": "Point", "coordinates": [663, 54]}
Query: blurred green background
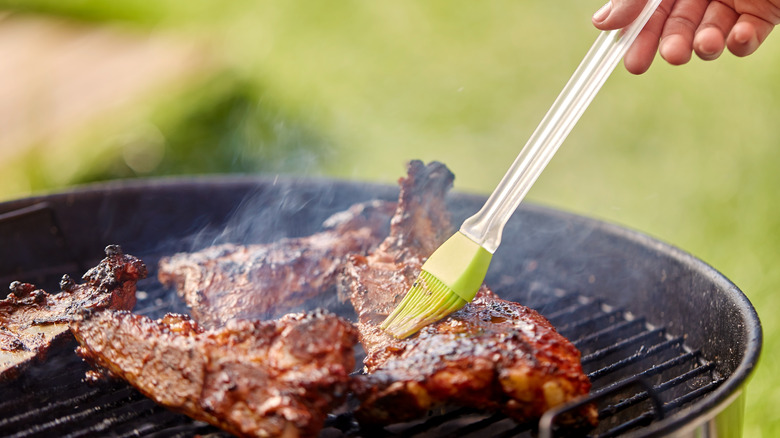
{"type": "Point", "coordinates": [95, 90]}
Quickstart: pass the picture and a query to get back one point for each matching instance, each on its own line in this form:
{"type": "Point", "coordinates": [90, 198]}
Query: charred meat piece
{"type": "Point", "coordinates": [230, 281]}
{"type": "Point", "coordinates": [31, 319]}
{"type": "Point", "coordinates": [492, 354]}
{"type": "Point", "coordinates": [251, 378]}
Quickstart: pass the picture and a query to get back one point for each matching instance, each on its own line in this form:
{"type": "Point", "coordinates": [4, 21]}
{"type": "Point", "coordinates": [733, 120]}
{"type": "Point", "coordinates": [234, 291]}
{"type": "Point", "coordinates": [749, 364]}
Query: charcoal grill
{"type": "Point", "coordinates": [667, 341]}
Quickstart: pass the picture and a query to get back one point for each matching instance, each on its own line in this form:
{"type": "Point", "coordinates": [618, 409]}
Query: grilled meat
{"type": "Point", "coordinates": [492, 354]}
{"type": "Point", "coordinates": [229, 281]}
{"type": "Point", "coordinates": [31, 319]}
{"type": "Point", "coordinates": [251, 378]}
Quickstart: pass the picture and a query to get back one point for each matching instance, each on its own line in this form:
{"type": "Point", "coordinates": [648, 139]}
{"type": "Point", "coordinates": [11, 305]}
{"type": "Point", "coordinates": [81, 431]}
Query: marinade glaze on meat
{"type": "Point", "coordinates": [31, 319]}
{"type": "Point", "coordinates": [251, 378]}
{"type": "Point", "coordinates": [492, 354]}
{"type": "Point", "coordinates": [229, 281]}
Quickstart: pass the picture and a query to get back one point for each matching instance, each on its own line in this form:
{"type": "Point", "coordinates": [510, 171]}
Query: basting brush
{"type": "Point", "coordinates": [452, 275]}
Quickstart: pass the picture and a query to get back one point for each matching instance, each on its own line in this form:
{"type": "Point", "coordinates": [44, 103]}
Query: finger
{"type": "Point", "coordinates": [617, 14]}
{"type": "Point", "coordinates": [747, 34]}
{"type": "Point", "coordinates": [641, 53]}
{"type": "Point", "coordinates": [639, 56]}
{"type": "Point", "coordinates": [676, 43]}
{"type": "Point", "coordinates": [710, 38]}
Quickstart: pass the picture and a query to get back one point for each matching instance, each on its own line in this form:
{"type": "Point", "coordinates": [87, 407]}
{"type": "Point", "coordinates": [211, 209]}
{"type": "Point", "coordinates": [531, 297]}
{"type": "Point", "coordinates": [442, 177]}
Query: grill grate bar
{"type": "Point", "coordinates": [436, 421]}
{"type": "Point", "coordinates": [639, 397]}
{"type": "Point", "coordinates": [613, 425]}
{"type": "Point", "coordinates": [44, 428]}
{"type": "Point", "coordinates": [592, 319]}
{"type": "Point", "coordinates": [696, 393]}
{"type": "Point", "coordinates": [685, 377]}
{"type": "Point", "coordinates": [625, 404]}
{"type": "Point", "coordinates": [185, 431]}
{"type": "Point", "coordinates": [612, 409]}
{"type": "Point", "coordinates": [575, 308]}
{"type": "Point", "coordinates": [647, 417]}
{"type": "Point", "coordinates": [35, 413]}
{"type": "Point", "coordinates": [44, 410]}
{"type": "Point", "coordinates": [164, 423]}
{"type": "Point", "coordinates": [477, 426]}
{"type": "Point", "coordinates": [95, 409]}
{"type": "Point", "coordinates": [113, 420]}
{"type": "Point", "coordinates": [691, 355]}
{"type": "Point", "coordinates": [620, 327]}
{"type": "Point", "coordinates": [642, 353]}
{"type": "Point", "coordinates": [598, 354]}
{"type": "Point", "coordinates": [511, 432]}
{"type": "Point", "coordinates": [639, 421]}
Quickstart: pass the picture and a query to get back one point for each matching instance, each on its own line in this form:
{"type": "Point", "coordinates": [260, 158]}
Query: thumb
{"type": "Point", "coordinates": [617, 14]}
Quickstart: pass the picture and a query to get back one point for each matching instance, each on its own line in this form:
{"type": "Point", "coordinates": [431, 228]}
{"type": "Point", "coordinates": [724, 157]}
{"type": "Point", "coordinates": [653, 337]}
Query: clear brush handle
{"type": "Point", "coordinates": [486, 226]}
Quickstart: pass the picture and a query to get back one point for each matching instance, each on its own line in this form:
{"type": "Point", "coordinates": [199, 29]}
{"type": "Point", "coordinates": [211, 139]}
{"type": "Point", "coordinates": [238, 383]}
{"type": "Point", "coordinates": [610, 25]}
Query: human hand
{"type": "Point", "coordinates": [680, 27]}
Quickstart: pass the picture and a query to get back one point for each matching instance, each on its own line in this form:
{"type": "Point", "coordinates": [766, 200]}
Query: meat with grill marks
{"type": "Point", "coordinates": [251, 378]}
{"type": "Point", "coordinates": [32, 319]}
{"type": "Point", "coordinates": [492, 354]}
{"type": "Point", "coordinates": [229, 281]}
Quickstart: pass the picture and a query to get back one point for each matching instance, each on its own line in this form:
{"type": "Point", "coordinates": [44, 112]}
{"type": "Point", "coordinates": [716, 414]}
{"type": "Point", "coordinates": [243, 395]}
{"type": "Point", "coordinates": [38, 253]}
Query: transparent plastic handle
{"type": "Point", "coordinates": [486, 226]}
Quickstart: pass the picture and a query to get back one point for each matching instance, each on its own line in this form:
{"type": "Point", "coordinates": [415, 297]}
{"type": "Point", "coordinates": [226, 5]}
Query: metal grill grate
{"type": "Point", "coordinates": [639, 373]}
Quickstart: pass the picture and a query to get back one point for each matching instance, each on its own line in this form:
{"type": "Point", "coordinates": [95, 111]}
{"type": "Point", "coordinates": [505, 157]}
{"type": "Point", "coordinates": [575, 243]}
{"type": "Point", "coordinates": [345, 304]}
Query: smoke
{"type": "Point", "coordinates": [227, 125]}
{"type": "Point", "coordinates": [255, 257]}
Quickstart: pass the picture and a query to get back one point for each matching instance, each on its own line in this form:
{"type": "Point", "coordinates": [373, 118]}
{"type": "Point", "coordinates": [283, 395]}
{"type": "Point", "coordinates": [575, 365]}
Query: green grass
{"type": "Point", "coordinates": [686, 154]}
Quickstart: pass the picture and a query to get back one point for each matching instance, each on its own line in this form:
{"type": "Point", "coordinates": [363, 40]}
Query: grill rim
{"type": "Point", "coordinates": [687, 417]}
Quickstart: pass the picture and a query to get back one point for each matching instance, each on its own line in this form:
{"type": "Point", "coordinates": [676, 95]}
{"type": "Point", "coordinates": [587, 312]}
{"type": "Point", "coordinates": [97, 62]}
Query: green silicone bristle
{"type": "Point", "coordinates": [449, 279]}
{"type": "Point", "coordinates": [428, 301]}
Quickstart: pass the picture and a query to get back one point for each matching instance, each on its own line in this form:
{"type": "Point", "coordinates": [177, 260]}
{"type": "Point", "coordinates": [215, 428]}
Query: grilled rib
{"type": "Point", "coordinates": [32, 319]}
{"type": "Point", "coordinates": [492, 354]}
{"type": "Point", "coordinates": [229, 281]}
{"type": "Point", "coordinates": [250, 378]}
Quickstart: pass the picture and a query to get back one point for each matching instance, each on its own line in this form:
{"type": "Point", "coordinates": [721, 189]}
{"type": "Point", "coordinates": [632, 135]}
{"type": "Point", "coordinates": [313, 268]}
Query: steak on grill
{"type": "Point", "coordinates": [229, 281]}
{"type": "Point", "coordinates": [32, 319]}
{"type": "Point", "coordinates": [250, 378]}
{"type": "Point", "coordinates": [492, 354]}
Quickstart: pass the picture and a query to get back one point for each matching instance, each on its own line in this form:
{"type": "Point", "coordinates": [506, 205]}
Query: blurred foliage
{"type": "Point", "coordinates": [131, 11]}
{"type": "Point", "coordinates": [687, 154]}
{"type": "Point", "coordinates": [225, 125]}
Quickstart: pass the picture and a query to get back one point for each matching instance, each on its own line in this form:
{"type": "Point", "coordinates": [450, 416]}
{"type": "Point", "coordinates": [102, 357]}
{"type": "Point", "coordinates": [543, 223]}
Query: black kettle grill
{"type": "Point", "coordinates": [667, 341]}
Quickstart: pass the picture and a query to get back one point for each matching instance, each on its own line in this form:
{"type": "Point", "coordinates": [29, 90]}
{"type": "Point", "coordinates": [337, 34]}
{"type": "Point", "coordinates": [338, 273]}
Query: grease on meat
{"type": "Point", "coordinates": [250, 378]}
{"type": "Point", "coordinates": [32, 319]}
{"type": "Point", "coordinates": [229, 281]}
{"type": "Point", "coordinates": [492, 354]}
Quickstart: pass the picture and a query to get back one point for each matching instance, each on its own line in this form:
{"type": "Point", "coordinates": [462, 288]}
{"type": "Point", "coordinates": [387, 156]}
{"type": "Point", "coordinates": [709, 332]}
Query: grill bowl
{"type": "Point", "coordinates": [668, 342]}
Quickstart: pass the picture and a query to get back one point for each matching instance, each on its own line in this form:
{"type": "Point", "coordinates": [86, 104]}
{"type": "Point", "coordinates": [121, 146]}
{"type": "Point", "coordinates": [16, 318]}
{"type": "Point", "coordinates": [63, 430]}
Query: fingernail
{"type": "Point", "coordinates": [741, 35]}
{"type": "Point", "coordinates": [664, 47]}
{"type": "Point", "coordinates": [602, 13]}
{"type": "Point", "coordinates": [706, 46]}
